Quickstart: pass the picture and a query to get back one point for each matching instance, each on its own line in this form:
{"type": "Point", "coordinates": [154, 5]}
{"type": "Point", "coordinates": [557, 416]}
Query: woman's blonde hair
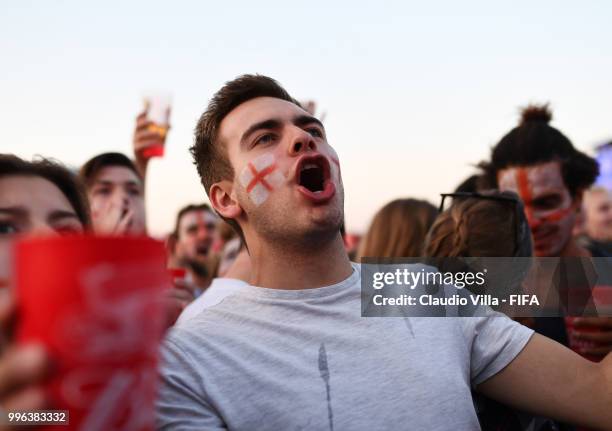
{"type": "Point", "coordinates": [398, 229]}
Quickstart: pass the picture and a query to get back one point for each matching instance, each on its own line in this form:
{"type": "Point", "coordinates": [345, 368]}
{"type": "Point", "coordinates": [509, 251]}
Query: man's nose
{"type": "Point", "coordinates": [122, 198]}
{"type": "Point", "coordinates": [301, 142]}
{"type": "Point", "coordinates": [203, 233]}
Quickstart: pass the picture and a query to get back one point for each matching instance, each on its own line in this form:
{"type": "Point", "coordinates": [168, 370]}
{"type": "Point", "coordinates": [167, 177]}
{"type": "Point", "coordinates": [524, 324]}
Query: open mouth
{"type": "Point", "coordinates": [202, 250]}
{"type": "Point", "coordinates": [313, 178]}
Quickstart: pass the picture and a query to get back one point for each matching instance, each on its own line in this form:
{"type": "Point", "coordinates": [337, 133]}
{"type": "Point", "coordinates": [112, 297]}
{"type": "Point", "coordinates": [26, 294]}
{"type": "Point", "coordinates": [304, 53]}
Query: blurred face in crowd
{"type": "Point", "coordinates": [195, 235]}
{"type": "Point", "coordinates": [31, 205]}
{"type": "Point", "coordinates": [549, 207]}
{"type": "Point", "coordinates": [119, 186]}
{"type": "Point", "coordinates": [598, 214]}
{"type": "Point", "coordinates": [230, 252]}
{"type": "Point", "coordinates": [287, 181]}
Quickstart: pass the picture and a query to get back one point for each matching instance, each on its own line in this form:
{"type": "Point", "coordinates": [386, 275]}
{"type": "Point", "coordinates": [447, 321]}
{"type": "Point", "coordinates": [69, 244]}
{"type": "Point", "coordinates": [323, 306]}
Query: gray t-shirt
{"type": "Point", "coordinates": [269, 359]}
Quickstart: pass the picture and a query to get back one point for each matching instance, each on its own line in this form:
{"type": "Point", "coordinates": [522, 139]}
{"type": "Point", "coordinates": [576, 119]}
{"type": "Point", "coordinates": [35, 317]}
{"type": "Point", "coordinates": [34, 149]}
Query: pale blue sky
{"type": "Point", "coordinates": [414, 92]}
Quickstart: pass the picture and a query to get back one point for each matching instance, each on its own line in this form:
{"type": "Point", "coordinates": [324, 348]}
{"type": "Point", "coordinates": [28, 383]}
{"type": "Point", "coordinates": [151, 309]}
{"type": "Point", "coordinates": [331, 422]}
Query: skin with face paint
{"type": "Point", "coordinates": [285, 145]}
{"type": "Point", "coordinates": [549, 207]}
{"type": "Point", "coordinates": [598, 214]}
{"type": "Point", "coordinates": [117, 202]}
{"type": "Point", "coordinates": [302, 208]}
{"type": "Point", "coordinates": [195, 235]}
{"type": "Point", "coordinates": [260, 177]}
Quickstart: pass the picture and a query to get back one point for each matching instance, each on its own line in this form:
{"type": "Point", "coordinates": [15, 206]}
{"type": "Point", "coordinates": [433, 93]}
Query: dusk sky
{"type": "Point", "coordinates": [414, 93]}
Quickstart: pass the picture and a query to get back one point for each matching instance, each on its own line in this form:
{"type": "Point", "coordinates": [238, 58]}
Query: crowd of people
{"type": "Point", "coordinates": [263, 309]}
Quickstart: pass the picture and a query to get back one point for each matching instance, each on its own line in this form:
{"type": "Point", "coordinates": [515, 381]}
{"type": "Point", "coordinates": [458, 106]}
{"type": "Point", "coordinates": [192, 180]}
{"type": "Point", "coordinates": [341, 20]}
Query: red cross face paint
{"type": "Point", "coordinates": [549, 207]}
{"type": "Point", "coordinates": [260, 177]}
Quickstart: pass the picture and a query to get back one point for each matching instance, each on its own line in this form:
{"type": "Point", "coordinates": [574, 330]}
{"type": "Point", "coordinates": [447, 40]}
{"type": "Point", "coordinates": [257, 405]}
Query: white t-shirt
{"type": "Point", "coordinates": [214, 294]}
{"type": "Point", "coordinates": [270, 359]}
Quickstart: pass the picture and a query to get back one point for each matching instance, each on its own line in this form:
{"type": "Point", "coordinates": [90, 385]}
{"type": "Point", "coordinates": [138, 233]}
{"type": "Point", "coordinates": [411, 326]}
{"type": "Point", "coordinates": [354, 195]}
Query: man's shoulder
{"type": "Point", "coordinates": [217, 292]}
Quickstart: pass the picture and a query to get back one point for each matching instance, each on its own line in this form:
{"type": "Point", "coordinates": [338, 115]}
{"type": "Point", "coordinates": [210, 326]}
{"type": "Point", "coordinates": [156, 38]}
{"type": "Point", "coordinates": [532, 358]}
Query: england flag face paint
{"type": "Point", "coordinates": [549, 207]}
{"type": "Point", "coordinates": [260, 177]}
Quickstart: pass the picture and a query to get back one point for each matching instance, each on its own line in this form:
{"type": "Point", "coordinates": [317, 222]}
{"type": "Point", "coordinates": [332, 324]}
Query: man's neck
{"type": "Point", "coordinates": [296, 268]}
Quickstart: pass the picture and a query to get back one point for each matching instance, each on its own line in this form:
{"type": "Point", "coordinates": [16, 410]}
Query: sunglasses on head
{"type": "Point", "coordinates": [521, 227]}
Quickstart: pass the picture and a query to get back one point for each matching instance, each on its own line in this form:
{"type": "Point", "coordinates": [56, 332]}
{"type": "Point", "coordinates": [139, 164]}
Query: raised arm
{"type": "Point", "coordinates": [145, 137]}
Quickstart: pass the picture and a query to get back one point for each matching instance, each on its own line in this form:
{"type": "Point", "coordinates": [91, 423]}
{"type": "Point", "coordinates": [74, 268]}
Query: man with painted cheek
{"type": "Point", "coordinates": [194, 233]}
{"type": "Point", "coordinates": [541, 165]}
{"type": "Point", "coordinates": [190, 243]}
{"type": "Point", "coordinates": [549, 206]}
{"type": "Point", "coordinates": [282, 169]}
{"type": "Point", "coordinates": [291, 350]}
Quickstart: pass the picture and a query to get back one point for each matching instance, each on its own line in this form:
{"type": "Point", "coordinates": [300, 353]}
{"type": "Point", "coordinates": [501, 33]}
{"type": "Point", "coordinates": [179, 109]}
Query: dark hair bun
{"type": "Point", "coordinates": [533, 113]}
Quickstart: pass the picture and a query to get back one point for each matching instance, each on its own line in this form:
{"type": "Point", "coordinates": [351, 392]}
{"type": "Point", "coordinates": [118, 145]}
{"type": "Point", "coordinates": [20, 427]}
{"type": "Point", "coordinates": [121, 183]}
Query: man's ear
{"type": "Point", "coordinates": [223, 201]}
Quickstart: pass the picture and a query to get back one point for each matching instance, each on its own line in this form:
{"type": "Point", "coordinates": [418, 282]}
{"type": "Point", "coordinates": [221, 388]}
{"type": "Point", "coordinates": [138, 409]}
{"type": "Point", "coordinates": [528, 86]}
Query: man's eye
{"type": "Point", "coordinates": [315, 132]}
{"type": "Point", "coordinates": [102, 192]}
{"type": "Point", "coordinates": [265, 139]}
{"type": "Point", "coordinates": [7, 228]}
{"type": "Point", "coordinates": [134, 192]}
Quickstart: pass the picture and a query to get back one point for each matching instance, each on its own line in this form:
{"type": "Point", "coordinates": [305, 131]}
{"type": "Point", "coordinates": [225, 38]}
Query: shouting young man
{"type": "Point", "coordinates": [291, 350]}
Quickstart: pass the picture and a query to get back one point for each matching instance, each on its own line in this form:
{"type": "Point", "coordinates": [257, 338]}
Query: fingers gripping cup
{"type": "Point", "coordinates": [602, 299]}
{"type": "Point", "coordinates": [96, 304]}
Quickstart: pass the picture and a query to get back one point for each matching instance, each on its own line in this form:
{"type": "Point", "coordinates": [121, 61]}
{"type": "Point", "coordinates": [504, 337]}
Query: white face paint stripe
{"type": "Point", "coordinates": [275, 179]}
{"type": "Point", "coordinates": [246, 176]}
{"type": "Point", "coordinates": [259, 194]}
{"type": "Point", "coordinates": [262, 162]}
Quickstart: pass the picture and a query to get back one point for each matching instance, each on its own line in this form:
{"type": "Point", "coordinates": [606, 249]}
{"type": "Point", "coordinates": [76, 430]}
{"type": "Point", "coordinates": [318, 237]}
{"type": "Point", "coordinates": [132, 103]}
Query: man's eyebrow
{"type": "Point", "coordinates": [266, 124]}
{"type": "Point", "coordinates": [59, 215]}
{"type": "Point", "coordinates": [14, 211]}
{"type": "Point", "coordinates": [302, 120]}
{"type": "Point", "coordinates": [112, 183]}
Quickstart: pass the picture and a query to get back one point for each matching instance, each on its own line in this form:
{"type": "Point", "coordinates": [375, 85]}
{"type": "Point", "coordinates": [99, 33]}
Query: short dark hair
{"type": "Point", "coordinates": [532, 142]}
{"type": "Point", "coordinates": [56, 173]}
{"type": "Point", "coordinates": [185, 210]}
{"type": "Point", "coordinates": [91, 168]}
{"type": "Point", "coordinates": [209, 154]}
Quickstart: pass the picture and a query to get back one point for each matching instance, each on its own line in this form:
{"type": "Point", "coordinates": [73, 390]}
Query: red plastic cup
{"type": "Point", "coordinates": [96, 304]}
{"type": "Point", "coordinates": [602, 299]}
{"type": "Point", "coordinates": [177, 272]}
{"type": "Point", "coordinates": [576, 344]}
{"type": "Point", "coordinates": [153, 151]}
